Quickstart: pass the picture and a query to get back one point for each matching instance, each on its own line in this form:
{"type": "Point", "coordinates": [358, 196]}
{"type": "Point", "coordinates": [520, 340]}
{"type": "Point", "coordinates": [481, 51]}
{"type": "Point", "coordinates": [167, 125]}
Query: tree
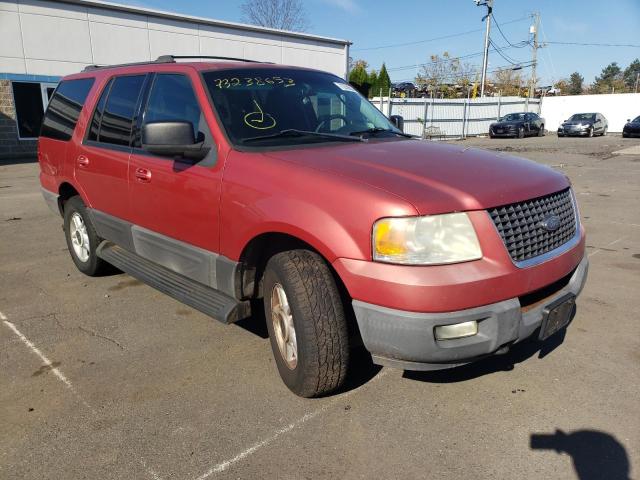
{"type": "Point", "coordinates": [508, 81]}
{"type": "Point", "coordinates": [443, 74]}
{"type": "Point", "coordinates": [384, 82]}
{"type": "Point", "coordinates": [374, 89]}
{"type": "Point", "coordinates": [630, 74]}
{"type": "Point", "coordinates": [280, 14]}
{"type": "Point", "coordinates": [358, 74]}
{"type": "Point", "coordinates": [575, 84]}
{"type": "Point", "coordinates": [610, 79]}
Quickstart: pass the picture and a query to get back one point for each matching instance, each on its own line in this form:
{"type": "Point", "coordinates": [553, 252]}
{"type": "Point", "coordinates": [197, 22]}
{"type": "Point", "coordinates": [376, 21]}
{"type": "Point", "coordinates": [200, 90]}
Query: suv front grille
{"type": "Point", "coordinates": [519, 224]}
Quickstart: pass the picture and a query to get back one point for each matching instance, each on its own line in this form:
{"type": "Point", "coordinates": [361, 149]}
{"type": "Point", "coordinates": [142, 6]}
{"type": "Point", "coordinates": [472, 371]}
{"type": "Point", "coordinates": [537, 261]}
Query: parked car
{"type": "Point", "coordinates": [584, 124]}
{"type": "Point", "coordinates": [404, 89]}
{"type": "Point", "coordinates": [631, 128]}
{"type": "Point", "coordinates": [518, 125]}
{"type": "Point", "coordinates": [236, 186]}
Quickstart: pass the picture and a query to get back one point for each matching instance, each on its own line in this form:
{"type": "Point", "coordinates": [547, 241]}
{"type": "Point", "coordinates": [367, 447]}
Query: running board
{"type": "Point", "coordinates": [209, 301]}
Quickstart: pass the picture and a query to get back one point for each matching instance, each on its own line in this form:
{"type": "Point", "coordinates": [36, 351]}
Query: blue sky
{"type": "Point", "coordinates": [373, 23]}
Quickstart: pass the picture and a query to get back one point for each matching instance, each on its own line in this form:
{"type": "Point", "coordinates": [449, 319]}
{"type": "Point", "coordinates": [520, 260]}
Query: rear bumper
{"type": "Point", "coordinates": [406, 340]}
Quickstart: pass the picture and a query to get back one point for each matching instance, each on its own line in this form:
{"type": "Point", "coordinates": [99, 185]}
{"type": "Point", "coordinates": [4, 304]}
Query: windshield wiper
{"type": "Point", "coordinates": [373, 131]}
{"type": "Point", "coordinates": [293, 132]}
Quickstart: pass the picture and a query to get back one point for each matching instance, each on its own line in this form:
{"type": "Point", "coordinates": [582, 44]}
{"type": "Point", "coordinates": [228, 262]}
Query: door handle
{"type": "Point", "coordinates": [143, 175]}
{"type": "Point", "coordinates": [82, 161]}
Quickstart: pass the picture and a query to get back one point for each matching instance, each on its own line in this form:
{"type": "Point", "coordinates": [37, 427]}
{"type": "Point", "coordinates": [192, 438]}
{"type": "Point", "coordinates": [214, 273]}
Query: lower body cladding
{"type": "Point", "coordinates": [414, 341]}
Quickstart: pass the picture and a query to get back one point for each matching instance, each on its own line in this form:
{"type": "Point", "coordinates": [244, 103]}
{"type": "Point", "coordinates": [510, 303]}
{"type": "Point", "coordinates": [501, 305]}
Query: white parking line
{"type": "Point", "coordinates": [598, 250]}
{"type": "Point", "coordinates": [222, 466]}
{"type": "Point", "coordinates": [60, 376]}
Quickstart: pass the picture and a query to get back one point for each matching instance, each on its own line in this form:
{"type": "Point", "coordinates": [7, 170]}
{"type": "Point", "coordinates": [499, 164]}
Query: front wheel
{"type": "Point", "coordinates": [541, 131]}
{"type": "Point", "coordinates": [306, 323]}
{"type": "Point", "coordinates": [521, 132]}
{"type": "Point", "coordinates": [604, 132]}
{"type": "Point", "coordinates": [82, 239]}
{"type": "Point", "coordinates": [590, 134]}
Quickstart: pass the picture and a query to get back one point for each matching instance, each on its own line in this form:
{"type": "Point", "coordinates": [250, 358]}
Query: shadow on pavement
{"type": "Point", "coordinates": [595, 454]}
{"type": "Point", "coordinates": [495, 363]}
{"type": "Point", "coordinates": [19, 160]}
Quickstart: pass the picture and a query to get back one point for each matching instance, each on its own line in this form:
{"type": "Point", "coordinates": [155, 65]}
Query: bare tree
{"type": "Point", "coordinates": [445, 76]}
{"type": "Point", "coordinates": [280, 14]}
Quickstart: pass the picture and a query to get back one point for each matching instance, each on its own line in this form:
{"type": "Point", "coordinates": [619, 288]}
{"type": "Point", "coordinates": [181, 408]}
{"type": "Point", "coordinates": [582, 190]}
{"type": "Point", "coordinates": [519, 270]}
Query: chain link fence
{"type": "Point", "coordinates": [436, 118]}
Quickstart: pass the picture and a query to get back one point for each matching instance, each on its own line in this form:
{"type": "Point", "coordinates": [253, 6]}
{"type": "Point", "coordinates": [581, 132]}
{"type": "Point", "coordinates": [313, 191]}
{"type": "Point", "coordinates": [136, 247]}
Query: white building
{"type": "Point", "coordinates": [41, 41]}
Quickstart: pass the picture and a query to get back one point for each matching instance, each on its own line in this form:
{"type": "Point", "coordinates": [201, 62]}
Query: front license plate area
{"type": "Point", "coordinates": [557, 315]}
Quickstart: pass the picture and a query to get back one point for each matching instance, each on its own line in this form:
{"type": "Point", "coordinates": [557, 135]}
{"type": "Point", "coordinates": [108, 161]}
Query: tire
{"type": "Point", "coordinates": [521, 132]}
{"type": "Point", "coordinates": [317, 315]}
{"type": "Point", "coordinates": [604, 132]}
{"type": "Point", "coordinates": [541, 131]}
{"type": "Point", "coordinates": [560, 135]}
{"type": "Point", "coordinates": [590, 134]}
{"type": "Point", "coordinates": [625, 135]}
{"type": "Point", "coordinates": [75, 214]}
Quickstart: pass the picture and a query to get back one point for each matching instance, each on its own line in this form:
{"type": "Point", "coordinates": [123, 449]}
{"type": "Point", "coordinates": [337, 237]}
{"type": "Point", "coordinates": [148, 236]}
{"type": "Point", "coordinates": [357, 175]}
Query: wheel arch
{"type": "Point", "coordinates": [256, 254]}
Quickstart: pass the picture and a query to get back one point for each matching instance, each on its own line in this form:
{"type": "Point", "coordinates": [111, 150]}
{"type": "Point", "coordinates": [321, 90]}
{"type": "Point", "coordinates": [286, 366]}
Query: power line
{"type": "Point", "coordinates": [520, 44]}
{"type": "Point", "coordinates": [444, 60]}
{"type": "Point", "coordinates": [454, 76]}
{"type": "Point", "coordinates": [596, 44]}
{"type": "Point", "coordinates": [503, 55]}
{"type": "Point", "coordinates": [444, 37]}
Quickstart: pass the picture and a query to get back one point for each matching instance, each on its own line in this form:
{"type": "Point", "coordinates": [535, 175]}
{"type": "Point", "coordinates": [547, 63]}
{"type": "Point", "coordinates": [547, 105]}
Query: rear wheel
{"type": "Point", "coordinates": [521, 132]}
{"type": "Point", "coordinates": [604, 132]}
{"type": "Point", "coordinates": [306, 323]}
{"type": "Point", "coordinates": [82, 239]}
{"type": "Point", "coordinates": [541, 131]}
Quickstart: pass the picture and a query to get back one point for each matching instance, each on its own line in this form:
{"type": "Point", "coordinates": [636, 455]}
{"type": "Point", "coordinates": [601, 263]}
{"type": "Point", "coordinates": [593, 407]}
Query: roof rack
{"type": "Point", "coordinates": [168, 59]}
{"type": "Point", "coordinates": [172, 58]}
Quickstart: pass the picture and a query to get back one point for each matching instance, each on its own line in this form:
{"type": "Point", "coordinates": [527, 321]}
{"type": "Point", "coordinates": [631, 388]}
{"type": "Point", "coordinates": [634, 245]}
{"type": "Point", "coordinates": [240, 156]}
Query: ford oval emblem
{"type": "Point", "coordinates": [551, 223]}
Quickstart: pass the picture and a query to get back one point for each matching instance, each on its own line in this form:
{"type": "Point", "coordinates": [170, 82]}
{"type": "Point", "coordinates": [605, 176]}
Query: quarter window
{"type": "Point", "coordinates": [65, 107]}
{"type": "Point", "coordinates": [117, 119]}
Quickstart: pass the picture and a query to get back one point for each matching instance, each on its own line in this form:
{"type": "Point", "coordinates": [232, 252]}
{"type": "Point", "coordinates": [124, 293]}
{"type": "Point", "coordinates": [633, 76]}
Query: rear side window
{"type": "Point", "coordinates": [94, 128]}
{"type": "Point", "coordinates": [64, 108]}
{"type": "Point", "coordinates": [115, 120]}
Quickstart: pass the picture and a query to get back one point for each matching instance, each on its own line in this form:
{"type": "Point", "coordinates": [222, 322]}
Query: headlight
{"type": "Point", "coordinates": [429, 240]}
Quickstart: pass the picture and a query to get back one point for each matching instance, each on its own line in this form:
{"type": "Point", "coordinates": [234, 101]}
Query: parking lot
{"type": "Point", "coordinates": [108, 378]}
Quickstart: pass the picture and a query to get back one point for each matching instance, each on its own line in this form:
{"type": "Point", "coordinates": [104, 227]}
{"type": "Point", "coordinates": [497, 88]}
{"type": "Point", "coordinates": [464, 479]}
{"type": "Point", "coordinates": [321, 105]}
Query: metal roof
{"type": "Point", "coordinates": [203, 21]}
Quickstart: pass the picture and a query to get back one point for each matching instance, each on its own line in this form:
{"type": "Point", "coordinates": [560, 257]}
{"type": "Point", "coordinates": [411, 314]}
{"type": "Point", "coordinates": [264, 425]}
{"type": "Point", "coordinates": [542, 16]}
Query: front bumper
{"type": "Point", "coordinates": [573, 132]}
{"type": "Point", "coordinates": [406, 340]}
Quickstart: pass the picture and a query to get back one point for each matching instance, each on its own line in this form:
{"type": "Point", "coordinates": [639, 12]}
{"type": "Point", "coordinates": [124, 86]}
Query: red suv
{"type": "Point", "coordinates": [227, 184]}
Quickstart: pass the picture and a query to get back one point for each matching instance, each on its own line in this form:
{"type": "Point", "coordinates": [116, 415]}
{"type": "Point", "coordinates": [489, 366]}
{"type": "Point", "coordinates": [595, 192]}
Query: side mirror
{"type": "Point", "coordinates": [173, 139]}
{"type": "Point", "coordinates": [397, 121]}
{"type": "Point", "coordinates": [628, 120]}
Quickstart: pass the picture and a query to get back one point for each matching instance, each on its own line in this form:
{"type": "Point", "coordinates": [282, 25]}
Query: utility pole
{"type": "Point", "coordinates": [637, 81]}
{"type": "Point", "coordinates": [485, 59]}
{"type": "Point", "coordinates": [534, 53]}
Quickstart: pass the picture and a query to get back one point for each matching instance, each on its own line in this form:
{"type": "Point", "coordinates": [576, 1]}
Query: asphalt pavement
{"type": "Point", "coordinates": [106, 378]}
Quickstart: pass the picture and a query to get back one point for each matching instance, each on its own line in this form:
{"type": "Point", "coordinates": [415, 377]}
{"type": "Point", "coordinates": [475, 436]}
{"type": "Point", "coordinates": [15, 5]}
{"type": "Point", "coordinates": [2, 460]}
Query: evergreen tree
{"type": "Point", "coordinates": [631, 74]}
{"type": "Point", "coordinates": [384, 82]}
{"type": "Point", "coordinates": [610, 78]}
{"type": "Point", "coordinates": [575, 84]}
{"type": "Point", "coordinates": [374, 89]}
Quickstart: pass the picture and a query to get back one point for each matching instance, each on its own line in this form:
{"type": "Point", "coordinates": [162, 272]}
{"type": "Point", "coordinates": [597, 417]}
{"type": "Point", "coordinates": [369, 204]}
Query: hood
{"type": "Point", "coordinates": [578, 122]}
{"type": "Point", "coordinates": [508, 122]}
{"type": "Point", "coordinates": [434, 177]}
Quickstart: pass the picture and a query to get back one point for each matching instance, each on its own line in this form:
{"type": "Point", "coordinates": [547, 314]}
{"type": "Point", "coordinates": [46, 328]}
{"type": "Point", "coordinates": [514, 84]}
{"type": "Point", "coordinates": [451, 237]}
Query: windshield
{"type": "Point", "coordinates": [636, 120]}
{"type": "Point", "coordinates": [589, 117]}
{"type": "Point", "coordinates": [512, 117]}
{"type": "Point", "coordinates": [256, 103]}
